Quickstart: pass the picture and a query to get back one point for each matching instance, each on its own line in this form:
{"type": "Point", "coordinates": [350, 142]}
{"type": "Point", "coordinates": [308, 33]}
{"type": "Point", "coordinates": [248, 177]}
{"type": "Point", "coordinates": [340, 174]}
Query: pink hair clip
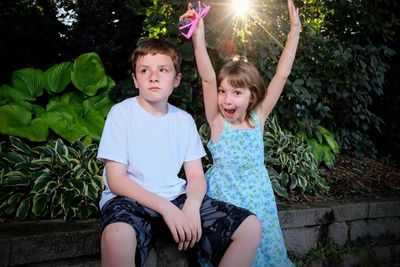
{"type": "Point", "coordinates": [187, 26]}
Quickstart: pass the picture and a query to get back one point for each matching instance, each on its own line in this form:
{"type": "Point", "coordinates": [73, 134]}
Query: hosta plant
{"type": "Point", "coordinates": [49, 181]}
{"type": "Point", "coordinates": [290, 162]}
{"type": "Point", "coordinates": [70, 99]}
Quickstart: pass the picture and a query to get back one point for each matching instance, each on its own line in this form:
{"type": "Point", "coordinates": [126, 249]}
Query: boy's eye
{"type": "Point", "coordinates": [143, 70]}
{"type": "Point", "coordinates": [163, 70]}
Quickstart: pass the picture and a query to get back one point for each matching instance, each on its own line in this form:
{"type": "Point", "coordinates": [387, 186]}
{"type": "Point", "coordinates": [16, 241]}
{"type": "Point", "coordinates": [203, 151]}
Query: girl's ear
{"type": "Point", "coordinates": [177, 80]}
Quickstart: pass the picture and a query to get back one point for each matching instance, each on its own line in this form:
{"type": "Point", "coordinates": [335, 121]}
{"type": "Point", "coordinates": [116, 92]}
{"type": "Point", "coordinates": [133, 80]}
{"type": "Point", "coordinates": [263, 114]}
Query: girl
{"type": "Point", "coordinates": [237, 105]}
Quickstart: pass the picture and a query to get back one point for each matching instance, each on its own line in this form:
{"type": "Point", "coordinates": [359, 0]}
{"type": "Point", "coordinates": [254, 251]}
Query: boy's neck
{"type": "Point", "coordinates": [154, 108]}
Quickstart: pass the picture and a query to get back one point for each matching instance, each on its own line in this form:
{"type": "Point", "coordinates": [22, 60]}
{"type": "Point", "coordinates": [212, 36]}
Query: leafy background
{"type": "Point", "coordinates": [341, 95]}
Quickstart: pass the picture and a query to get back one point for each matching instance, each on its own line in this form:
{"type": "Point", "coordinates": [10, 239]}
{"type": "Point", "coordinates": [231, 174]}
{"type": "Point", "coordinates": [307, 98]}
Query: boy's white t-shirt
{"type": "Point", "coordinates": [153, 147]}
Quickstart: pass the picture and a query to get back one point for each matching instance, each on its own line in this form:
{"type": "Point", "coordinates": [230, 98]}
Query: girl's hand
{"type": "Point", "coordinates": [191, 14]}
{"type": "Point", "coordinates": [295, 24]}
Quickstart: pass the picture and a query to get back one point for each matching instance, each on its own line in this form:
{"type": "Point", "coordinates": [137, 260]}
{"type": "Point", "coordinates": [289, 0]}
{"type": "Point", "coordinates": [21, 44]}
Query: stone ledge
{"type": "Point", "coordinates": [57, 243]}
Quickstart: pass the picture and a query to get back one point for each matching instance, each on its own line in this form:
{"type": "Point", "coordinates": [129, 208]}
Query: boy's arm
{"type": "Point", "coordinates": [285, 63]}
{"type": "Point", "coordinates": [121, 185]}
{"type": "Point", "coordinates": [204, 67]}
{"type": "Point", "coordinates": [195, 191]}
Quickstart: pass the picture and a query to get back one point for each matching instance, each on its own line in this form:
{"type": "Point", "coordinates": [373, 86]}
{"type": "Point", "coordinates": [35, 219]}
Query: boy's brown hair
{"type": "Point", "coordinates": [157, 46]}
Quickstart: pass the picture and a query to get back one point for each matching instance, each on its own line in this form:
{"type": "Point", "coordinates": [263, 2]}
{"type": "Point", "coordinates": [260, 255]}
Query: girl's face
{"type": "Point", "coordinates": [233, 102]}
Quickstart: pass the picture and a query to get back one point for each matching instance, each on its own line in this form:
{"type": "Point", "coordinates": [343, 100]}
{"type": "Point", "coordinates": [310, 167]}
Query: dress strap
{"type": "Point", "coordinates": [227, 124]}
{"type": "Point", "coordinates": [254, 117]}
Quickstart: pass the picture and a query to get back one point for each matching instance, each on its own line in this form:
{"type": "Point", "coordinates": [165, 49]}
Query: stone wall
{"type": "Point", "coordinates": [370, 226]}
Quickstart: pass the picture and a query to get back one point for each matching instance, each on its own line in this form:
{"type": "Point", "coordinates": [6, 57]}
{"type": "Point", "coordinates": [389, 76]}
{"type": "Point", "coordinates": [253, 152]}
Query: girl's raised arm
{"type": "Point", "coordinates": [204, 67]}
{"type": "Point", "coordinates": [284, 67]}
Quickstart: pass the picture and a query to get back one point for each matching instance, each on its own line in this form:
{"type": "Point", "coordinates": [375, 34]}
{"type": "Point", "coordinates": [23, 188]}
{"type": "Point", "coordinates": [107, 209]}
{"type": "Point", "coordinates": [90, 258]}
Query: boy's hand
{"type": "Point", "coordinates": [179, 224]}
{"type": "Point", "coordinates": [295, 24]}
{"type": "Point", "coordinates": [192, 211]}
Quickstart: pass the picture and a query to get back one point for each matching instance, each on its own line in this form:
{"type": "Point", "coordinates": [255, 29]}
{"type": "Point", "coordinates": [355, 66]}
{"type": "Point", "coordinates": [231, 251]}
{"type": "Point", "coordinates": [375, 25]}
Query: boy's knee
{"type": "Point", "coordinates": [116, 234]}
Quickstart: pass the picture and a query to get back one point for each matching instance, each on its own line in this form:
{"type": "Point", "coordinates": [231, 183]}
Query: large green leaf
{"type": "Point", "coordinates": [31, 81]}
{"type": "Point", "coordinates": [88, 74]}
{"type": "Point", "coordinates": [14, 115]}
{"type": "Point", "coordinates": [37, 131]}
{"type": "Point", "coordinates": [58, 77]}
{"type": "Point", "coordinates": [101, 103]}
{"type": "Point", "coordinates": [94, 122]}
{"type": "Point", "coordinates": [10, 94]}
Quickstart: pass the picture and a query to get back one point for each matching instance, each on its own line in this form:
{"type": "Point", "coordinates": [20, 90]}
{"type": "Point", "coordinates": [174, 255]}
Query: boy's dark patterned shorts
{"type": "Point", "coordinates": [219, 221]}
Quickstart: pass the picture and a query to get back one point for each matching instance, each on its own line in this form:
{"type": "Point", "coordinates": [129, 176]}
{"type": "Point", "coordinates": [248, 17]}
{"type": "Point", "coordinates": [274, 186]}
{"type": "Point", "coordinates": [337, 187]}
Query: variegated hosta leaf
{"type": "Point", "coordinates": [92, 167]}
{"type": "Point", "coordinates": [42, 179]}
{"type": "Point", "coordinates": [23, 209]}
{"type": "Point", "coordinates": [12, 203]}
{"type": "Point", "coordinates": [19, 145]}
{"type": "Point", "coordinates": [15, 179]}
{"type": "Point", "coordinates": [39, 204]}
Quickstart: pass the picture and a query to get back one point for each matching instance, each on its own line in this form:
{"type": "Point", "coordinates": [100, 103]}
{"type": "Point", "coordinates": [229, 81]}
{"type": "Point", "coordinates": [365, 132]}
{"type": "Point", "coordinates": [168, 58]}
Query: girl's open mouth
{"type": "Point", "coordinates": [230, 112]}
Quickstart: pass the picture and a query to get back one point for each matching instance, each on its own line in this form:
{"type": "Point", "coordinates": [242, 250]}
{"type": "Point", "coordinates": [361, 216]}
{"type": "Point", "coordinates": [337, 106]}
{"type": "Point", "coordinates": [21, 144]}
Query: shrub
{"type": "Point", "coordinates": [71, 112]}
{"type": "Point", "coordinates": [49, 181]}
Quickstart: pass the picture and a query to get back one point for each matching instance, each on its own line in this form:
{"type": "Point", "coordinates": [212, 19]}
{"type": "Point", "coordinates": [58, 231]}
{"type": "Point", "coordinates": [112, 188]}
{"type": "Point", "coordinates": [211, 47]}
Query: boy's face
{"type": "Point", "coordinates": [155, 77]}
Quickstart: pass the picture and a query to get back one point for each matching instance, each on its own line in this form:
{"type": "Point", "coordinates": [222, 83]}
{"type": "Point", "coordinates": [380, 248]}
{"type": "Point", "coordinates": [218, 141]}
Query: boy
{"type": "Point", "coordinates": [145, 142]}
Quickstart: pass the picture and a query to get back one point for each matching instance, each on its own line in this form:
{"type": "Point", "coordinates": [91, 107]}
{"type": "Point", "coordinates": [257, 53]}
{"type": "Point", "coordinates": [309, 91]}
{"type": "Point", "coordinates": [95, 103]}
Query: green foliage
{"type": "Point", "coordinates": [288, 158]}
{"type": "Point", "coordinates": [71, 112]}
{"type": "Point", "coordinates": [49, 181]}
{"type": "Point", "coordinates": [324, 146]}
{"type": "Point", "coordinates": [290, 162]}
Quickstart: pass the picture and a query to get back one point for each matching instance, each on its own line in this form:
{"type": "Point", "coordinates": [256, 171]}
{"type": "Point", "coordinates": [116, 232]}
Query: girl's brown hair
{"type": "Point", "coordinates": [242, 74]}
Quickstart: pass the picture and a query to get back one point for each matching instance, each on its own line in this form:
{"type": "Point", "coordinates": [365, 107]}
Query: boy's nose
{"type": "Point", "coordinates": [153, 77]}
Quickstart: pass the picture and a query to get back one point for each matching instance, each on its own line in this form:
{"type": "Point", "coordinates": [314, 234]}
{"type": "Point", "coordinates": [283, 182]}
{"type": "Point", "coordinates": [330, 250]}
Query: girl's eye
{"type": "Point", "coordinates": [143, 70]}
{"type": "Point", "coordinates": [237, 93]}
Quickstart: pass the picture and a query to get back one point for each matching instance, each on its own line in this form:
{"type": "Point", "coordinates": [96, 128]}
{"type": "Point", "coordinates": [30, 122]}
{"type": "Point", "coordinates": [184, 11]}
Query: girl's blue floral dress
{"type": "Point", "coordinates": [239, 176]}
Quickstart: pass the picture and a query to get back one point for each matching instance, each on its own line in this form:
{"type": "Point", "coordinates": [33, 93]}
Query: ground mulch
{"type": "Point", "coordinates": [356, 177]}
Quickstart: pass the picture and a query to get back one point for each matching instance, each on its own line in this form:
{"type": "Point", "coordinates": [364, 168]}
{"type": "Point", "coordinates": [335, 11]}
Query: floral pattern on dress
{"type": "Point", "coordinates": [239, 176]}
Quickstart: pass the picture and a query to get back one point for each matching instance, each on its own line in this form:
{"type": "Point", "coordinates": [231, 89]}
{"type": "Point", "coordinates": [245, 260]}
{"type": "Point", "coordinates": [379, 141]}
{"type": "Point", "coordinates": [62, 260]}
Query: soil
{"type": "Point", "coordinates": [355, 177]}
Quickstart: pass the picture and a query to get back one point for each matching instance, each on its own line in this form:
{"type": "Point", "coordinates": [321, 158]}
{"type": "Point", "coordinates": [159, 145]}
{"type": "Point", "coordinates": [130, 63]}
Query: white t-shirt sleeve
{"type": "Point", "coordinates": [113, 144]}
{"type": "Point", "coordinates": [194, 148]}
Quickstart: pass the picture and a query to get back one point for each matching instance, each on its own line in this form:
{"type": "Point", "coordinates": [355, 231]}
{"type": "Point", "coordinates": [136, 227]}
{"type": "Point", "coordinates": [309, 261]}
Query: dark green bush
{"type": "Point", "coordinates": [49, 181]}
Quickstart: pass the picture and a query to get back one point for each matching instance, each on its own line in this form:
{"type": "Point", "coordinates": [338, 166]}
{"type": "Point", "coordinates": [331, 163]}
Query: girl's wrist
{"type": "Point", "coordinates": [295, 31]}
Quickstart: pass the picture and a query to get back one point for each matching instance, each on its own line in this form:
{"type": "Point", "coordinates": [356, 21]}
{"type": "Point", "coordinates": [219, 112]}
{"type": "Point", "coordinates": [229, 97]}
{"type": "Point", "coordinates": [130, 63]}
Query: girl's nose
{"type": "Point", "coordinates": [227, 99]}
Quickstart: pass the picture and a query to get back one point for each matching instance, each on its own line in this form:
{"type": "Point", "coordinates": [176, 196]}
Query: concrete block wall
{"type": "Point", "coordinates": [305, 227]}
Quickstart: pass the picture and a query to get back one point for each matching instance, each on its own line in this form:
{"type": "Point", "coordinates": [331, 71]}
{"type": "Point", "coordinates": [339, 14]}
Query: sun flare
{"type": "Point", "coordinates": [241, 7]}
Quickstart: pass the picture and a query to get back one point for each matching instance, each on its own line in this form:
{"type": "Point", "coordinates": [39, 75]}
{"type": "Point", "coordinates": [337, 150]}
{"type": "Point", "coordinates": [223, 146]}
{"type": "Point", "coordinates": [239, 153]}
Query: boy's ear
{"type": "Point", "coordinates": [134, 80]}
{"type": "Point", "coordinates": [177, 81]}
